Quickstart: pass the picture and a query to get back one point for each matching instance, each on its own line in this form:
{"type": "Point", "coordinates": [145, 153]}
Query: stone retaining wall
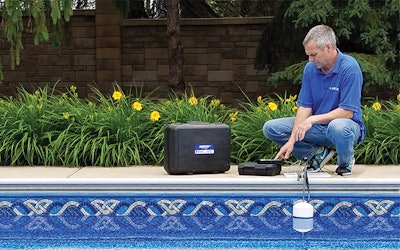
{"type": "Point", "coordinates": [102, 49]}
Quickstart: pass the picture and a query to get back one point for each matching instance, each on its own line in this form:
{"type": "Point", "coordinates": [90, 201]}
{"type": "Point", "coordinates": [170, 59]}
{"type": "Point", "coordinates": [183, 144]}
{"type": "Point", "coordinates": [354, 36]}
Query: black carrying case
{"type": "Point", "coordinates": [197, 147]}
{"type": "Point", "coordinates": [265, 167]}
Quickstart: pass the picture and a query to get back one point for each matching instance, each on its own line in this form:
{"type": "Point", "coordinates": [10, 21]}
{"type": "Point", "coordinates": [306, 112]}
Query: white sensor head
{"type": "Point", "coordinates": [303, 209]}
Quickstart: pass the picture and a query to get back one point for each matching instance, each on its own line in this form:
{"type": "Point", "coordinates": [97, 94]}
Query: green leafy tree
{"type": "Point", "coordinates": [49, 16]}
{"type": "Point", "coordinates": [369, 29]}
{"type": "Point", "coordinates": [42, 16]}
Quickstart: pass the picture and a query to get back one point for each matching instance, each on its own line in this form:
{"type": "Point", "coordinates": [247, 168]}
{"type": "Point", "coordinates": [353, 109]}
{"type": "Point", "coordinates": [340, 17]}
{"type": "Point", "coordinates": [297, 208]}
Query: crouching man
{"type": "Point", "coordinates": [329, 117]}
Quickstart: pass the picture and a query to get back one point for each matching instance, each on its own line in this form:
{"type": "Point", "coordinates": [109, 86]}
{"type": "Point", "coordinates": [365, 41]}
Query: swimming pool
{"type": "Point", "coordinates": [196, 220]}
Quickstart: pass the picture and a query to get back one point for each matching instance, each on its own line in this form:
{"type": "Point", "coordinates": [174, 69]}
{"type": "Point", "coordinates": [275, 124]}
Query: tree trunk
{"type": "Point", "coordinates": [175, 49]}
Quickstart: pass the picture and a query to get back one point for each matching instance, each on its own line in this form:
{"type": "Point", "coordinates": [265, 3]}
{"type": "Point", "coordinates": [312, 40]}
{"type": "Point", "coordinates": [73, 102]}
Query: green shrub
{"type": "Point", "coordinates": [381, 145]}
{"type": "Point", "coordinates": [61, 129]}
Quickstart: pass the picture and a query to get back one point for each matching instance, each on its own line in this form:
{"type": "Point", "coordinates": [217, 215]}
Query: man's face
{"type": "Point", "coordinates": [319, 56]}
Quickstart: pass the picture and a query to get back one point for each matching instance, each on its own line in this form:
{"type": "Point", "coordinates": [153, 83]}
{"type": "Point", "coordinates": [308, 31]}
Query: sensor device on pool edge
{"type": "Point", "coordinates": [303, 213]}
{"type": "Point", "coordinates": [303, 209]}
{"type": "Point", "coordinates": [266, 167]}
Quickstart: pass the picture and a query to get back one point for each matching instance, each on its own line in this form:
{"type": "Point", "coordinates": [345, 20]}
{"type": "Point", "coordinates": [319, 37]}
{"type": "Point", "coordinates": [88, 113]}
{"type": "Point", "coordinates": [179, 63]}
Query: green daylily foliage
{"type": "Point", "coordinates": [123, 129]}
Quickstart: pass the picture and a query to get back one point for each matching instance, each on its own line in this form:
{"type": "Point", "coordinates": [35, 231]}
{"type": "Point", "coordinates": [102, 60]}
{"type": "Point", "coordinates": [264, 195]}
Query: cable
{"type": "Point", "coordinates": [306, 182]}
{"type": "Point", "coordinates": [302, 174]}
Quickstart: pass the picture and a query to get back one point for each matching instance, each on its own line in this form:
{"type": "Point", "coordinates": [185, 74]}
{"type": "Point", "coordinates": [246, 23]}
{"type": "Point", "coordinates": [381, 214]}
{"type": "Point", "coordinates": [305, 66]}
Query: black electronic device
{"type": "Point", "coordinates": [265, 167]}
{"type": "Point", "coordinates": [197, 147]}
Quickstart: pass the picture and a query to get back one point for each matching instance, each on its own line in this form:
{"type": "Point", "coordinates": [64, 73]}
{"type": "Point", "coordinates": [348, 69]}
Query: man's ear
{"type": "Point", "coordinates": [329, 47]}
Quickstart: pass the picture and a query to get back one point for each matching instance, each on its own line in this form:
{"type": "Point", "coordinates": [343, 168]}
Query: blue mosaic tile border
{"type": "Point", "coordinates": [195, 205]}
{"type": "Point", "coordinates": [194, 227]}
{"type": "Point", "coordinates": [205, 217]}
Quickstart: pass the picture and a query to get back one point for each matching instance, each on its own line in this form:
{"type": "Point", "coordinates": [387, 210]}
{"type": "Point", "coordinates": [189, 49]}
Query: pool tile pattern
{"type": "Point", "coordinates": [138, 220]}
{"type": "Point", "coordinates": [170, 205]}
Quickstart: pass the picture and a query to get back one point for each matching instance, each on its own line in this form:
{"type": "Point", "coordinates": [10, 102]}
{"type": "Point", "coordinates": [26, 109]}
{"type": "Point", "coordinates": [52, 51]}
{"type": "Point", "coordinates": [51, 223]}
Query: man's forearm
{"type": "Point", "coordinates": [328, 117]}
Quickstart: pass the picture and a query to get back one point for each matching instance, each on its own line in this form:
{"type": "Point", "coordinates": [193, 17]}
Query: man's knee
{"type": "Point", "coordinates": [277, 127]}
{"type": "Point", "coordinates": [340, 128]}
{"type": "Point", "coordinates": [267, 128]}
{"type": "Point", "coordinates": [271, 128]}
{"type": "Point", "coordinates": [337, 125]}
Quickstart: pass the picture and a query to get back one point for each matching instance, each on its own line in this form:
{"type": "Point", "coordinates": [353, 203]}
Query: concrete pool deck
{"type": "Point", "coordinates": [368, 178]}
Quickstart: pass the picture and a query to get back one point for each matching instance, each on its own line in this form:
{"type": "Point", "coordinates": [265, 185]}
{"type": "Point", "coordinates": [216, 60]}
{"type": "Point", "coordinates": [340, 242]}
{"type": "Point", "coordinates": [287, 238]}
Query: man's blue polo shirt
{"type": "Point", "coordinates": [339, 88]}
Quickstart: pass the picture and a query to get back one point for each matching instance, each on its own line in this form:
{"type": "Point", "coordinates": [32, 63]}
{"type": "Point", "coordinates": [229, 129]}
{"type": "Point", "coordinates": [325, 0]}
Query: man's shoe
{"type": "Point", "coordinates": [319, 160]}
{"type": "Point", "coordinates": [344, 170]}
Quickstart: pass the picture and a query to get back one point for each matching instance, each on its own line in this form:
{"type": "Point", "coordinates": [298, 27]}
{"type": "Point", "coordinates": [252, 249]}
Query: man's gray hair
{"type": "Point", "coordinates": [321, 35]}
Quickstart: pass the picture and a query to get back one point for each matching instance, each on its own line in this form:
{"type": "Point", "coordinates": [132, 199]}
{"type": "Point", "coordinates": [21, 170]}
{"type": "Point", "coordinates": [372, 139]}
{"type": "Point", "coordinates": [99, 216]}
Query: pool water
{"type": "Point", "coordinates": [197, 221]}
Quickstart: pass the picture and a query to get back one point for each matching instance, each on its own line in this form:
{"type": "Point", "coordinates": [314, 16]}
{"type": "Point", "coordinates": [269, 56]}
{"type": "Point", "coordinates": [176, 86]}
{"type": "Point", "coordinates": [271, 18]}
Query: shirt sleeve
{"type": "Point", "coordinates": [305, 95]}
{"type": "Point", "coordinates": [351, 87]}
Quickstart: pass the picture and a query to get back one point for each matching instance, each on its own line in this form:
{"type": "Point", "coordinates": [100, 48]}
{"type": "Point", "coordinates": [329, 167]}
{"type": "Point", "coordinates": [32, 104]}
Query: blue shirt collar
{"type": "Point", "coordinates": [338, 62]}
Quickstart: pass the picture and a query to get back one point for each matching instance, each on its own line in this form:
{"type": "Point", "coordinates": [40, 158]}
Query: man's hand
{"type": "Point", "coordinates": [301, 130]}
{"type": "Point", "coordinates": [285, 151]}
{"type": "Point", "coordinates": [303, 122]}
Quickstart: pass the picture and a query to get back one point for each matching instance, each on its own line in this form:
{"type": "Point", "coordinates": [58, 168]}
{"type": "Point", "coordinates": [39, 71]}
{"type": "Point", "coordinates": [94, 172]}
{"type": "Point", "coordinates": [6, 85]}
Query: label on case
{"type": "Point", "coordinates": [204, 149]}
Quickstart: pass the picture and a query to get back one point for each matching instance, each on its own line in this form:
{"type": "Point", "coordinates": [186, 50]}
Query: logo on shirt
{"type": "Point", "coordinates": [334, 88]}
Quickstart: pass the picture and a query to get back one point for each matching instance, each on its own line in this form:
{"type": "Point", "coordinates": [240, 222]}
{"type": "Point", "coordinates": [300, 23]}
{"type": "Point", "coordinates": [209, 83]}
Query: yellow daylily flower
{"type": "Point", "coordinates": [192, 100]}
{"type": "Point", "coordinates": [233, 116]}
{"type": "Point", "coordinates": [117, 95]}
{"type": "Point", "coordinates": [137, 106]}
{"type": "Point", "coordinates": [291, 98]}
{"type": "Point", "coordinates": [272, 106]}
{"type": "Point", "coordinates": [215, 103]}
{"type": "Point", "coordinates": [376, 106]}
{"type": "Point", "coordinates": [155, 116]}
